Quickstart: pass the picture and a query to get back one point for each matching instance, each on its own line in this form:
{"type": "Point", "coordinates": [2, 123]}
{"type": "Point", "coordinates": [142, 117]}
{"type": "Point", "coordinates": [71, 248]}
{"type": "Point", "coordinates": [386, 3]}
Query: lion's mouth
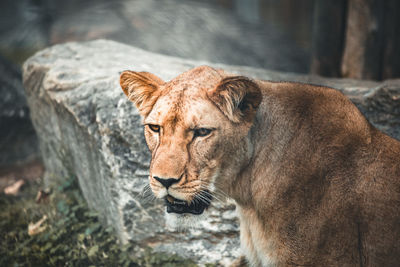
{"type": "Point", "coordinates": [197, 206]}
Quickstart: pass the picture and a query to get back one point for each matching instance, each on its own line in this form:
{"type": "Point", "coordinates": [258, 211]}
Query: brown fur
{"type": "Point", "coordinates": [315, 183]}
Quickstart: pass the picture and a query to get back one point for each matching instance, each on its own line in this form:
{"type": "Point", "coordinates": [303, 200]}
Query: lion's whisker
{"type": "Point", "coordinates": [203, 199]}
{"type": "Point", "coordinates": [145, 189]}
{"type": "Point", "coordinates": [206, 196]}
{"type": "Point", "coordinates": [146, 194]}
{"type": "Point", "coordinates": [216, 194]}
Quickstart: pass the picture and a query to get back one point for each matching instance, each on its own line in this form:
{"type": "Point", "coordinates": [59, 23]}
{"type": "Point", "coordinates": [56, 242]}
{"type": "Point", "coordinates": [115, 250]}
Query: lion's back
{"type": "Point", "coordinates": [378, 192]}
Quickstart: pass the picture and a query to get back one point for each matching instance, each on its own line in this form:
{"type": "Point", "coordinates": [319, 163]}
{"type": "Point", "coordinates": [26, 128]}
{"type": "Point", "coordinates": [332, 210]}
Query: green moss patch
{"type": "Point", "coordinates": [73, 234]}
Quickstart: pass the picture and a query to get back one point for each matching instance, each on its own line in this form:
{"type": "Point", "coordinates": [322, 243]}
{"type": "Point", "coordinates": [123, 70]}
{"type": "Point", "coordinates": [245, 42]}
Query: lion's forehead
{"type": "Point", "coordinates": [190, 111]}
{"type": "Point", "coordinates": [184, 102]}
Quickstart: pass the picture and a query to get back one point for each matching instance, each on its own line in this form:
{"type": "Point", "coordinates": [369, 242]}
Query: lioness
{"type": "Point", "coordinates": [315, 183]}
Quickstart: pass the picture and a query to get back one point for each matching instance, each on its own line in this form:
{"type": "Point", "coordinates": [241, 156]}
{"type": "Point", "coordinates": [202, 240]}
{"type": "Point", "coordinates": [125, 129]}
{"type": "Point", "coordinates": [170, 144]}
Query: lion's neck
{"type": "Point", "coordinates": [242, 187]}
{"type": "Point", "coordinates": [269, 136]}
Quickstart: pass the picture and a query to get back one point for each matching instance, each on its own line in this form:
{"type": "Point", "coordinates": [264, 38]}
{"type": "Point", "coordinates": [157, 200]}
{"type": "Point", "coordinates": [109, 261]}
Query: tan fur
{"type": "Point", "coordinates": [315, 183]}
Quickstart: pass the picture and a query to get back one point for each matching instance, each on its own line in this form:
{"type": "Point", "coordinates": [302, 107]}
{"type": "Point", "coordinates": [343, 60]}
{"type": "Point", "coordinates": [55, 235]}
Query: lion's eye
{"type": "Point", "coordinates": [154, 128]}
{"type": "Point", "coordinates": [202, 132]}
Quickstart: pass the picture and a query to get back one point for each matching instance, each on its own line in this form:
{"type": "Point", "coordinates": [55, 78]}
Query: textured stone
{"type": "Point", "coordinates": [88, 129]}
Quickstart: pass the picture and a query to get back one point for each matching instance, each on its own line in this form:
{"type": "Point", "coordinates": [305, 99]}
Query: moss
{"type": "Point", "coordinates": [73, 237]}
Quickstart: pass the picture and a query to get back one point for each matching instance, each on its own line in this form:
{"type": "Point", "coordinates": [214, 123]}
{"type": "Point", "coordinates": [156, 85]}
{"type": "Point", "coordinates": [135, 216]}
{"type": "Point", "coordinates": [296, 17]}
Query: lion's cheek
{"type": "Point", "coordinates": [214, 159]}
{"type": "Point", "coordinates": [151, 140]}
{"type": "Point", "coordinates": [213, 163]}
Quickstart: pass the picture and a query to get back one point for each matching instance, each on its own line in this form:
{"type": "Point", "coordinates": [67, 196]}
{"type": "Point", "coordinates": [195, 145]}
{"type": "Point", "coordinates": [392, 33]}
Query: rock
{"type": "Point", "coordinates": [88, 129]}
{"type": "Point", "coordinates": [18, 142]}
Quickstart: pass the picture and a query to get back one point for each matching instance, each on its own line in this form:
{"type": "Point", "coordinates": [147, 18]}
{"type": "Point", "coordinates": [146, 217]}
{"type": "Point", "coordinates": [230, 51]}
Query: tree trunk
{"type": "Point", "coordinates": [356, 39]}
{"type": "Point", "coordinates": [363, 49]}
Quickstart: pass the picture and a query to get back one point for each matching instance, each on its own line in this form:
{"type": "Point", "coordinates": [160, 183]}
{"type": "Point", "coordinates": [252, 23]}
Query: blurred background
{"type": "Point", "coordinates": [342, 38]}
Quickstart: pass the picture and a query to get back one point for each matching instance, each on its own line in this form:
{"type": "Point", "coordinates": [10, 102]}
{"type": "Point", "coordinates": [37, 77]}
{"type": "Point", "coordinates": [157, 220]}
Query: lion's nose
{"type": "Point", "coordinates": [167, 182]}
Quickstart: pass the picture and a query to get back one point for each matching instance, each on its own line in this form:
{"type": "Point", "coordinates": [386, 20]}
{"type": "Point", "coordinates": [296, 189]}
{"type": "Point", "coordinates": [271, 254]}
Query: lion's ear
{"type": "Point", "coordinates": [237, 97]}
{"type": "Point", "coordinates": [142, 88]}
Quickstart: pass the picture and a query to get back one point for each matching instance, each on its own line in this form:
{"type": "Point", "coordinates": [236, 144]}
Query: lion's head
{"type": "Point", "coordinates": [197, 128]}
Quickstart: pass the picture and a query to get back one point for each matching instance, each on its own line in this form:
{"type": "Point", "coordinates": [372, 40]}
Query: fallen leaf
{"type": "Point", "coordinates": [14, 188]}
{"type": "Point", "coordinates": [36, 228]}
{"type": "Point", "coordinates": [42, 195]}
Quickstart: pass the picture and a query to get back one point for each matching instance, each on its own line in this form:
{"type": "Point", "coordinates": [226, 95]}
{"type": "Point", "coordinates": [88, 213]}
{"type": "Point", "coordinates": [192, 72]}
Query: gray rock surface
{"type": "Point", "coordinates": [88, 129]}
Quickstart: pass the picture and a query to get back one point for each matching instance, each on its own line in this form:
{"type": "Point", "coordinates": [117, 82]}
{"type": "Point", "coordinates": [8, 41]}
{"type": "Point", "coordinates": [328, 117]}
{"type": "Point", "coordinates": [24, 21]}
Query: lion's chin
{"type": "Point", "coordinates": [181, 215]}
{"type": "Point", "coordinates": [185, 221]}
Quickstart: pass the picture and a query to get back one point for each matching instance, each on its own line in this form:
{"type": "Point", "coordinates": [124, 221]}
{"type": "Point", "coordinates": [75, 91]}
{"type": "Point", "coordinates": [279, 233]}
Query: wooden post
{"type": "Point", "coordinates": [363, 49]}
